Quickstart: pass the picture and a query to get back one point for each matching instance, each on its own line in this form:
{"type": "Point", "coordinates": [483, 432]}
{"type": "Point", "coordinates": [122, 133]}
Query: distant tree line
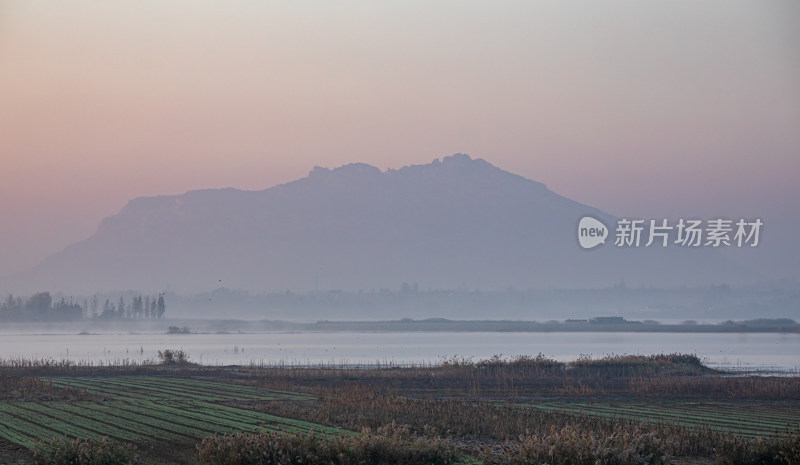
{"type": "Point", "coordinates": [42, 307]}
{"type": "Point", "coordinates": [39, 307]}
{"type": "Point", "coordinates": [138, 308]}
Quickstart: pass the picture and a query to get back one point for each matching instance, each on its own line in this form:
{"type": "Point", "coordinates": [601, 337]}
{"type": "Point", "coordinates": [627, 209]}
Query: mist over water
{"type": "Point", "coordinates": [738, 351]}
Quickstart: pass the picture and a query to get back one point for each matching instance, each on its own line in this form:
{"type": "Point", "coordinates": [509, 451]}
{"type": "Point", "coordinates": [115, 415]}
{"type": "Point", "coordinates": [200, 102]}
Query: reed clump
{"type": "Point", "coordinates": [102, 451]}
{"type": "Point", "coordinates": [571, 445]}
{"type": "Point", "coordinates": [523, 378]}
{"type": "Point", "coordinates": [469, 423]}
{"type": "Point", "coordinates": [507, 434]}
{"type": "Point", "coordinates": [30, 388]}
{"type": "Point", "coordinates": [389, 445]}
{"type": "Point", "coordinates": [784, 450]}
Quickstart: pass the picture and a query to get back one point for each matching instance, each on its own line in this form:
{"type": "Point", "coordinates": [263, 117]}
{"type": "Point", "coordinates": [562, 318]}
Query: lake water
{"type": "Point", "coordinates": [743, 350]}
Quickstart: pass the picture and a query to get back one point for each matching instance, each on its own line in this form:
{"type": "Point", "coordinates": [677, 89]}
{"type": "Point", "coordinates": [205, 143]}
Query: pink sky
{"type": "Point", "coordinates": [668, 109]}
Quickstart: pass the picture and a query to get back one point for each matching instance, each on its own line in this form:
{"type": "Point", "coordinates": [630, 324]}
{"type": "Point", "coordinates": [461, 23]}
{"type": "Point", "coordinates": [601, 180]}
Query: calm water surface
{"type": "Point", "coordinates": [746, 350]}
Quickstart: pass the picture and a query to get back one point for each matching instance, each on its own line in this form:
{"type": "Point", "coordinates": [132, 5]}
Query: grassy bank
{"type": "Point", "coordinates": [613, 410]}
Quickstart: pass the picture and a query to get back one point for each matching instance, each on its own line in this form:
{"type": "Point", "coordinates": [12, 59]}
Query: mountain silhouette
{"type": "Point", "coordinates": [456, 223]}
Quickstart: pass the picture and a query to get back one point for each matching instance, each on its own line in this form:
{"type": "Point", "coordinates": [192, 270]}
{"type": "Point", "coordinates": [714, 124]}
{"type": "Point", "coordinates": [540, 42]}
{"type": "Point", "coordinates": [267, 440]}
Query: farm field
{"type": "Point", "coordinates": [149, 411]}
{"type": "Point", "coordinates": [621, 409]}
{"type": "Point", "coordinates": [745, 419]}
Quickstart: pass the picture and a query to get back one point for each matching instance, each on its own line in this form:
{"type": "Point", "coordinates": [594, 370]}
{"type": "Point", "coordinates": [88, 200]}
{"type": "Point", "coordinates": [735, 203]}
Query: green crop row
{"type": "Point", "coordinates": [296, 425]}
{"type": "Point", "coordinates": [162, 410]}
{"type": "Point", "coordinates": [740, 421]}
{"type": "Point", "coordinates": [658, 416]}
{"type": "Point", "coordinates": [144, 409]}
{"type": "Point", "coordinates": [170, 390]}
{"type": "Point", "coordinates": [744, 414]}
{"type": "Point", "coordinates": [245, 392]}
{"type": "Point", "coordinates": [289, 395]}
{"type": "Point", "coordinates": [774, 415]}
{"type": "Point", "coordinates": [111, 416]}
{"type": "Point", "coordinates": [12, 429]}
{"type": "Point", "coordinates": [153, 387]}
{"type": "Point", "coordinates": [156, 392]}
{"type": "Point", "coordinates": [66, 423]}
{"type": "Point", "coordinates": [186, 427]}
{"type": "Point", "coordinates": [743, 417]}
{"type": "Point", "coordinates": [40, 426]}
{"type": "Point", "coordinates": [97, 389]}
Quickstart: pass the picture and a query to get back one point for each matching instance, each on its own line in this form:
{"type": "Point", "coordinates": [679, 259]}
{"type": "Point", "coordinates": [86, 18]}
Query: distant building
{"type": "Point", "coordinates": [574, 321]}
{"type": "Point", "coordinates": [608, 320]}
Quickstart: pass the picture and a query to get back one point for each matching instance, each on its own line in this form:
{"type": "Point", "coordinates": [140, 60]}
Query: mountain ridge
{"type": "Point", "coordinates": [451, 223]}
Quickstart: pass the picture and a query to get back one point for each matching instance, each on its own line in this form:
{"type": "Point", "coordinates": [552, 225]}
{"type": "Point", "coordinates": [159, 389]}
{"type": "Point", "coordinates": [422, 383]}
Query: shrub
{"type": "Point", "coordinates": [789, 448]}
{"type": "Point", "coordinates": [268, 448]}
{"type": "Point", "coordinates": [173, 357]}
{"type": "Point", "coordinates": [101, 451]}
{"type": "Point", "coordinates": [572, 446]}
{"type": "Point", "coordinates": [783, 450]}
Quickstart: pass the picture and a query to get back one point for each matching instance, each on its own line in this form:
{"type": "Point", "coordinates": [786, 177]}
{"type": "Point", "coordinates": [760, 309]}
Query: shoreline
{"type": "Point", "coordinates": [219, 326]}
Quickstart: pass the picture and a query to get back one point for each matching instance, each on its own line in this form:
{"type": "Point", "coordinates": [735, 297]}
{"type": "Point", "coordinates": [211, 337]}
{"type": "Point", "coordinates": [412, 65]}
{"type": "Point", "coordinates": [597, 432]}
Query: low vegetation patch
{"type": "Point", "coordinates": [617, 410]}
{"type": "Point", "coordinates": [173, 357]}
{"type": "Point", "coordinates": [27, 388]}
{"type": "Point", "coordinates": [576, 446]}
{"type": "Point", "coordinates": [102, 451]}
{"type": "Point", "coordinates": [772, 451]}
{"type": "Point", "coordinates": [667, 376]}
{"type": "Point", "coordinates": [389, 446]}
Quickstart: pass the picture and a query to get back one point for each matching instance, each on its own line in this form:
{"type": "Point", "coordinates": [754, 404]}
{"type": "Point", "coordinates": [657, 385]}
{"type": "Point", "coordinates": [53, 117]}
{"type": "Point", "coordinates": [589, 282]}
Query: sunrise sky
{"type": "Point", "coordinates": [678, 108]}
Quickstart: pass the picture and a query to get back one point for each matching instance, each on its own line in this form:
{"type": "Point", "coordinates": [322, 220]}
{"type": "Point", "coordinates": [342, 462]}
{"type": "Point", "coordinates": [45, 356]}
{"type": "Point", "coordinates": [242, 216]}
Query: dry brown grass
{"type": "Point", "coordinates": [28, 388]}
{"type": "Point", "coordinates": [523, 378]}
{"type": "Point", "coordinates": [388, 446]}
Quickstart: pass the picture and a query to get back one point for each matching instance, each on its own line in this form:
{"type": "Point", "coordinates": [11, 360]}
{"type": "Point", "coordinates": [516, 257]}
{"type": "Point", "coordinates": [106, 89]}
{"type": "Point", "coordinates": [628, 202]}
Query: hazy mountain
{"type": "Point", "coordinates": [455, 223]}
